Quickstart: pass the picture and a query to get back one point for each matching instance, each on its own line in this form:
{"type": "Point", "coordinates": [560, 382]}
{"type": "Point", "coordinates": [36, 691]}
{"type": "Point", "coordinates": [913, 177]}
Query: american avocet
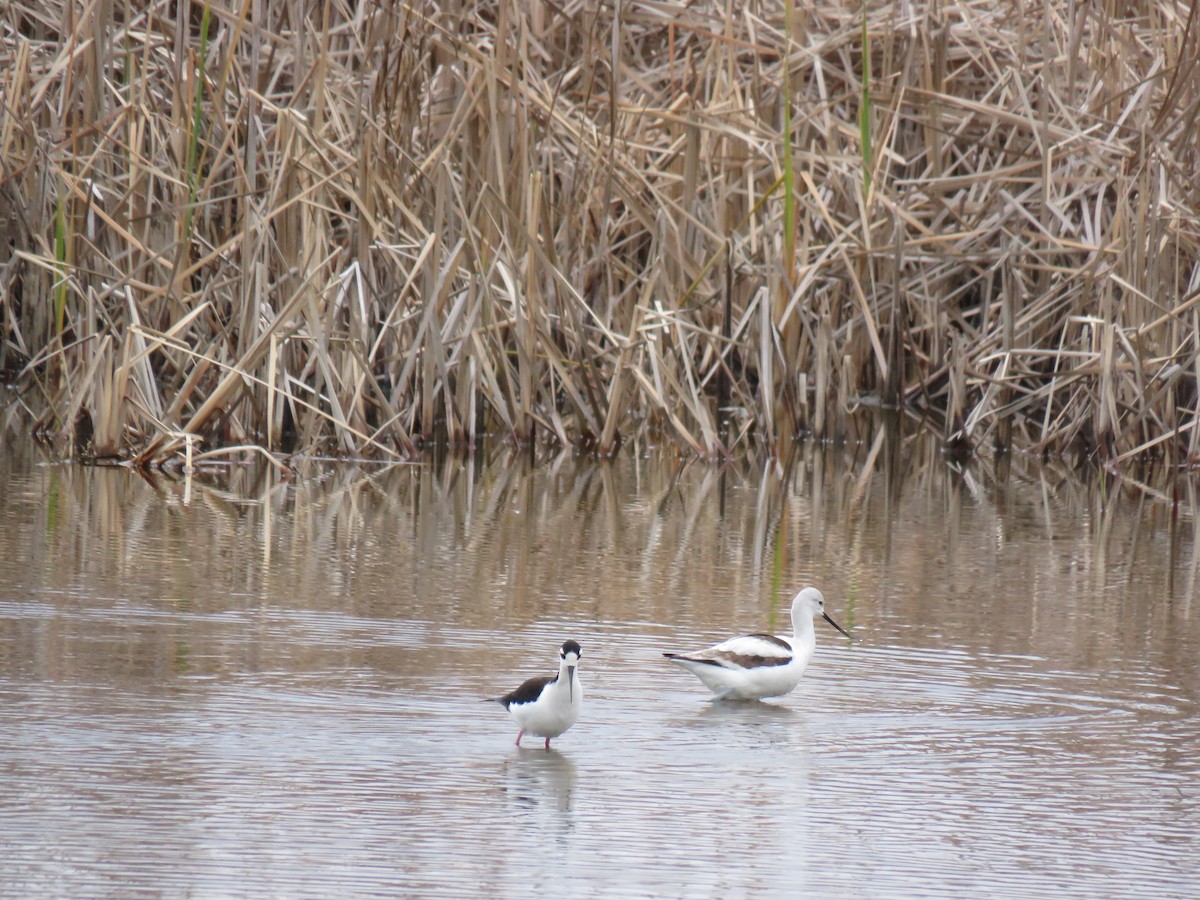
{"type": "Point", "coordinates": [760, 665]}
{"type": "Point", "coordinates": [547, 706]}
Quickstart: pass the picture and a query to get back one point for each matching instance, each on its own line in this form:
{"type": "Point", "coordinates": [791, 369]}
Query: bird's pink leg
{"type": "Point", "coordinates": [519, 733]}
{"type": "Point", "coordinates": [547, 743]}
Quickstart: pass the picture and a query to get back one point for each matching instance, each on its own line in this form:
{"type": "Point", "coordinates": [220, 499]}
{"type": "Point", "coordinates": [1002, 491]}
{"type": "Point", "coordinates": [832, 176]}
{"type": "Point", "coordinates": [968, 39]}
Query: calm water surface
{"type": "Point", "coordinates": [242, 686]}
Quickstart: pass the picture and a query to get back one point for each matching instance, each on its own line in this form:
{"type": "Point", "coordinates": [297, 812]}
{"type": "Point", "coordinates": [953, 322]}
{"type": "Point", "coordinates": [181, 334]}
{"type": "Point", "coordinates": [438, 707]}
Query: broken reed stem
{"type": "Point", "coordinates": [371, 229]}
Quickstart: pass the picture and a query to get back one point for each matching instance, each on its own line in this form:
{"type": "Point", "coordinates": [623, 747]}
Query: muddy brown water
{"type": "Point", "coordinates": [242, 686]}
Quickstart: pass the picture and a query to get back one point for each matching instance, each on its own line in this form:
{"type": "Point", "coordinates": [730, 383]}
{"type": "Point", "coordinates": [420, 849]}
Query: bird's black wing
{"type": "Point", "coordinates": [528, 692]}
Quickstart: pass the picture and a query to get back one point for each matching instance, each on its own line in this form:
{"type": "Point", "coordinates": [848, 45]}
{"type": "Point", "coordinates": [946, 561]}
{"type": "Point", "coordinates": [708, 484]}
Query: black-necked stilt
{"type": "Point", "coordinates": [547, 706]}
{"type": "Point", "coordinates": [760, 665]}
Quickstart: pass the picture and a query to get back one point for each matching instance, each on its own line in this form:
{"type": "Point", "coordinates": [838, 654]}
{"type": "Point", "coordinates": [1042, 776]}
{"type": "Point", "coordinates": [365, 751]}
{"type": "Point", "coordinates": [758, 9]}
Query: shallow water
{"type": "Point", "coordinates": [241, 686]}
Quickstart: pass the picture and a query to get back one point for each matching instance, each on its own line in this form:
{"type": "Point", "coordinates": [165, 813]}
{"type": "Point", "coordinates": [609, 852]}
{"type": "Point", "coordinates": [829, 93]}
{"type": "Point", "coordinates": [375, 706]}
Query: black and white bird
{"type": "Point", "coordinates": [755, 666]}
{"type": "Point", "coordinates": [548, 705]}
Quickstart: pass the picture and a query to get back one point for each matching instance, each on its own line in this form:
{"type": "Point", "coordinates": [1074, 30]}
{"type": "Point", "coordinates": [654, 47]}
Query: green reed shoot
{"type": "Point", "coordinates": [864, 105]}
{"type": "Point", "coordinates": [789, 179]}
{"type": "Point", "coordinates": [197, 123]}
{"type": "Point", "coordinates": [62, 265]}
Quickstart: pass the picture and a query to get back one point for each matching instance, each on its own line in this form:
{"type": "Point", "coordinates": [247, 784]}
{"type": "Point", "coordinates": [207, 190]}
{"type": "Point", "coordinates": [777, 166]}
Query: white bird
{"type": "Point", "coordinates": [546, 706]}
{"type": "Point", "coordinates": [755, 666]}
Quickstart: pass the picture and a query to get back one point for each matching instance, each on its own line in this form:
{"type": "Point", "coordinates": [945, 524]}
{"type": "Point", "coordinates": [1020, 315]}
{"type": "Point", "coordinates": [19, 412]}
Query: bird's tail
{"type": "Point", "coordinates": [687, 661]}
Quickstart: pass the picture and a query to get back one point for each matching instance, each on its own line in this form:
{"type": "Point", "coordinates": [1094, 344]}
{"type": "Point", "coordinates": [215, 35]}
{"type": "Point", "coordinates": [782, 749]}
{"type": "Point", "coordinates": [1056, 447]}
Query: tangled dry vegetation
{"type": "Point", "coordinates": [362, 227]}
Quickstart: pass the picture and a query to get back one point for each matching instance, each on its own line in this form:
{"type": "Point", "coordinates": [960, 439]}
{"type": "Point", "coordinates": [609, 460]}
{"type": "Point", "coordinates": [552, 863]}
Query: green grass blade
{"type": "Point", "coordinates": [60, 264]}
{"type": "Point", "coordinates": [193, 151]}
{"type": "Point", "coordinates": [864, 106]}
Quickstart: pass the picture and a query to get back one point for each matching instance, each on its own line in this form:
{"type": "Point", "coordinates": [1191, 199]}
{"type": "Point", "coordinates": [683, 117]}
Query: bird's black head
{"type": "Point", "coordinates": [570, 647]}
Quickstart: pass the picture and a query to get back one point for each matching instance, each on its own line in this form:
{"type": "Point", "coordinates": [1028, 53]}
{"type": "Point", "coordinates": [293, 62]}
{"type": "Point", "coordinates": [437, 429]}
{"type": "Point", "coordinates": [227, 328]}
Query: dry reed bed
{"type": "Point", "coordinates": [367, 226]}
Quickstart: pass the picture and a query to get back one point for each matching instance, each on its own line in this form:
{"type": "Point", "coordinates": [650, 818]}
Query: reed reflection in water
{"type": "Point", "coordinates": [244, 685]}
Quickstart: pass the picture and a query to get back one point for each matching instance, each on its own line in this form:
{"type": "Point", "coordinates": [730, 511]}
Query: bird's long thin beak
{"type": "Point", "coordinates": [825, 615]}
{"type": "Point", "coordinates": [571, 682]}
